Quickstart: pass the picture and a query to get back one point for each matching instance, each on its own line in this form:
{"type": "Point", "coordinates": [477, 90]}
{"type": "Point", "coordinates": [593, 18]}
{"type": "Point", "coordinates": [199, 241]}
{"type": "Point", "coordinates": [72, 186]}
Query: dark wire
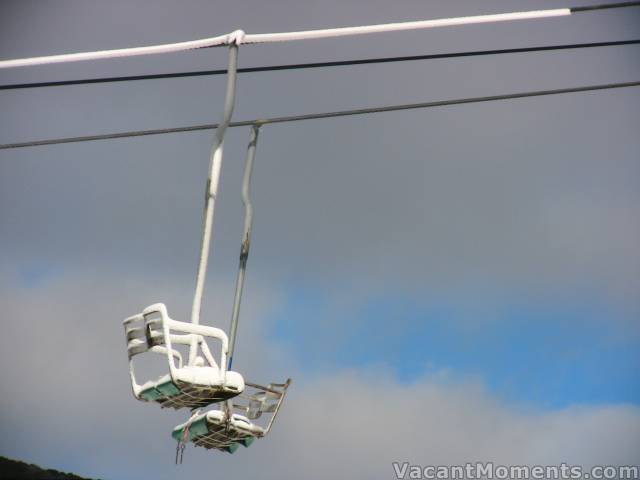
{"type": "Point", "coordinates": [605, 6]}
{"type": "Point", "coordinates": [314, 116]}
{"type": "Point", "coordinates": [301, 66]}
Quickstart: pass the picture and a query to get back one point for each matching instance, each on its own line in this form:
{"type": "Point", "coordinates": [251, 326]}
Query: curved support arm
{"type": "Point", "coordinates": [246, 237]}
{"type": "Point", "coordinates": [212, 182]}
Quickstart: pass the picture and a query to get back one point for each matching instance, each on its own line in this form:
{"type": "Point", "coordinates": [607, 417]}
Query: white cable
{"type": "Point", "coordinates": [122, 52]}
{"type": "Point", "coordinates": [239, 37]}
{"type": "Point", "coordinates": [396, 27]}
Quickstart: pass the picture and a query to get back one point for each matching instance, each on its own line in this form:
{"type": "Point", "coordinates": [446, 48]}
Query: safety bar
{"type": "Point", "coordinates": [277, 409]}
{"type": "Point", "coordinates": [261, 398]}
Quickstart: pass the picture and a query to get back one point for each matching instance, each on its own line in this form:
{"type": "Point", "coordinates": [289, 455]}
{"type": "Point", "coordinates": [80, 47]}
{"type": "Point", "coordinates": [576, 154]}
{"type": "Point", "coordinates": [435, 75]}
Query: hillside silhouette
{"type": "Point", "coordinates": [16, 470]}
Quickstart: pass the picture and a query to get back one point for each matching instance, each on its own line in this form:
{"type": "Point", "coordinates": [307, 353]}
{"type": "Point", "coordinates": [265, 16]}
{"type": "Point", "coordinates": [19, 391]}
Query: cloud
{"type": "Point", "coordinates": [482, 205]}
{"type": "Point", "coordinates": [68, 403]}
{"type": "Point", "coordinates": [356, 423]}
{"type": "Point", "coordinates": [515, 198]}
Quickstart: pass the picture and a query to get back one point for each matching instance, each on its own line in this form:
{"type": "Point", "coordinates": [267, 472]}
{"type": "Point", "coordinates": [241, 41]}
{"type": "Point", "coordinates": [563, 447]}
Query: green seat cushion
{"type": "Point", "coordinates": [247, 441]}
{"type": "Point", "coordinates": [232, 448]}
{"type": "Point", "coordinates": [168, 388]}
{"type": "Point", "coordinates": [200, 427]}
{"type": "Point", "coordinates": [151, 394]}
{"type": "Point", "coordinates": [156, 392]}
{"type": "Point", "coordinates": [196, 429]}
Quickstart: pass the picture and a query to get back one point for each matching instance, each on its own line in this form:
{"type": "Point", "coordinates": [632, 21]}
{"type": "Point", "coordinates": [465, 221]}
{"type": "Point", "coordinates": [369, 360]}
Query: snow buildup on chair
{"type": "Point", "coordinates": [201, 382]}
{"type": "Point", "coordinates": [212, 430]}
{"type": "Point", "coordinates": [225, 430]}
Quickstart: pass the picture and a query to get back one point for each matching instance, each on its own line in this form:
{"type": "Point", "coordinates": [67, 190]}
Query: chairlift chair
{"type": "Point", "coordinates": [201, 382]}
{"type": "Point", "coordinates": [225, 430]}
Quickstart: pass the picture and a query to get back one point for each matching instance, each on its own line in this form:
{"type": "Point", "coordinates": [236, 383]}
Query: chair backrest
{"type": "Point", "coordinates": [139, 341]}
{"type": "Point", "coordinates": [154, 331]}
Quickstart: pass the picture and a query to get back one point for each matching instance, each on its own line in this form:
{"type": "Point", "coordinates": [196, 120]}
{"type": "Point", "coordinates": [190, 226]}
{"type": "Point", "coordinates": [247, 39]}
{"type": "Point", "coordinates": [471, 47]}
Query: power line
{"type": "Point", "coordinates": [605, 6]}
{"type": "Point", "coordinates": [302, 66]}
{"type": "Point", "coordinates": [315, 116]}
{"type": "Point", "coordinates": [442, 103]}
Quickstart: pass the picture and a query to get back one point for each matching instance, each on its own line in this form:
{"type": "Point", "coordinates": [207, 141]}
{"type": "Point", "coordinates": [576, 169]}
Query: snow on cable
{"type": "Point", "coordinates": [240, 37]}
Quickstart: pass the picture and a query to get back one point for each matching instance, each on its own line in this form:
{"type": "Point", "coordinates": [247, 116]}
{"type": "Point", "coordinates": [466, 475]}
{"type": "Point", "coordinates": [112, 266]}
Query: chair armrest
{"type": "Point", "coordinates": [193, 337]}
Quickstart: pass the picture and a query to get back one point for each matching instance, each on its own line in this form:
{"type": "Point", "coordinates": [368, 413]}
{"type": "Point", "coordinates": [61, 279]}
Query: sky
{"type": "Point", "coordinates": [446, 285]}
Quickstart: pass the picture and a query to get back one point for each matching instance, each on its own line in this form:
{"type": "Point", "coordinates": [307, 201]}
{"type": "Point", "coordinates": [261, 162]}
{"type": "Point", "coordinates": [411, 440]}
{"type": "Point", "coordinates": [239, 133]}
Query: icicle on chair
{"type": "Point", "coordinates": [199, 383]}
{"type": "Point", "coordinates": [224, 430]}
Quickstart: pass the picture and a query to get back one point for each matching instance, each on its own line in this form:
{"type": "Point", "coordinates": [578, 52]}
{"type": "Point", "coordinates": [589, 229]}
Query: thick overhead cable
{"type": "Point", "coordinates": [302, 66]}
{"type": "Point", "coordinates": [402, 26]}
{"type": "Point", "coordinates": [239, 36]}
{"type": "Point", "coordinates": [315, 116]}
{"type": "Point", "coordinates": [121, 52]}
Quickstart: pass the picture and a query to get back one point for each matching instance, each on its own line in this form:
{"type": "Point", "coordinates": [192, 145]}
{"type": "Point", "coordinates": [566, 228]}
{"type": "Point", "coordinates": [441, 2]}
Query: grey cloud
{"type": "Point", "coordinates": [69, 403]}
{"type": "Point", "coordinates": [481, 203]}
{"type": "Point", "coordinates": [448, 199]}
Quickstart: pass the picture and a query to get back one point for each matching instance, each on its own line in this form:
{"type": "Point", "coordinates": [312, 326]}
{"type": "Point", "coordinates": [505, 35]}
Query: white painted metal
{"type": "Point", "coordinates": [231, 425]}
{"type": "Point", "coordinates": [201, 382]}
{"type": "Point", "coordinates": [213, 181]}
{"type": "Point", "coordinates": [246, 237]}
{"type": "Point", "coordinates": [401, 26]}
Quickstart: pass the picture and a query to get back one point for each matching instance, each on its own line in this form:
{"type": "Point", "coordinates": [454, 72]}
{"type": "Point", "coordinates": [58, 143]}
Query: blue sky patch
{"type": "Point", "coordinates": [36, 275]}
{"type": "Point", "coordinates": [547, 355]}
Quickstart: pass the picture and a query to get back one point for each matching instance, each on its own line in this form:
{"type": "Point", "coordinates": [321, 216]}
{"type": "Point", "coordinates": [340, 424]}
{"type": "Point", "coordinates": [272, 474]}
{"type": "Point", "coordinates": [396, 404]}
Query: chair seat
{"type": "Point", "coordinates": [193, 387]}
{"type": "Point", "coordinates": [210, 377]}
{"type": "Point", "coordinates": [239, 422]}
{"type": "Point", "coordinates": [210, 430]}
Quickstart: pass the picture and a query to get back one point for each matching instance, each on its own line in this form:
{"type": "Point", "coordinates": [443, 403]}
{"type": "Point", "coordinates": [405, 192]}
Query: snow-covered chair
{"type": "Point", "coordinates": [224, 430]}
{"type": "Point", "coordinates": [214, 430]}
{"type": "Point", "coordinates": [201, 381]}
